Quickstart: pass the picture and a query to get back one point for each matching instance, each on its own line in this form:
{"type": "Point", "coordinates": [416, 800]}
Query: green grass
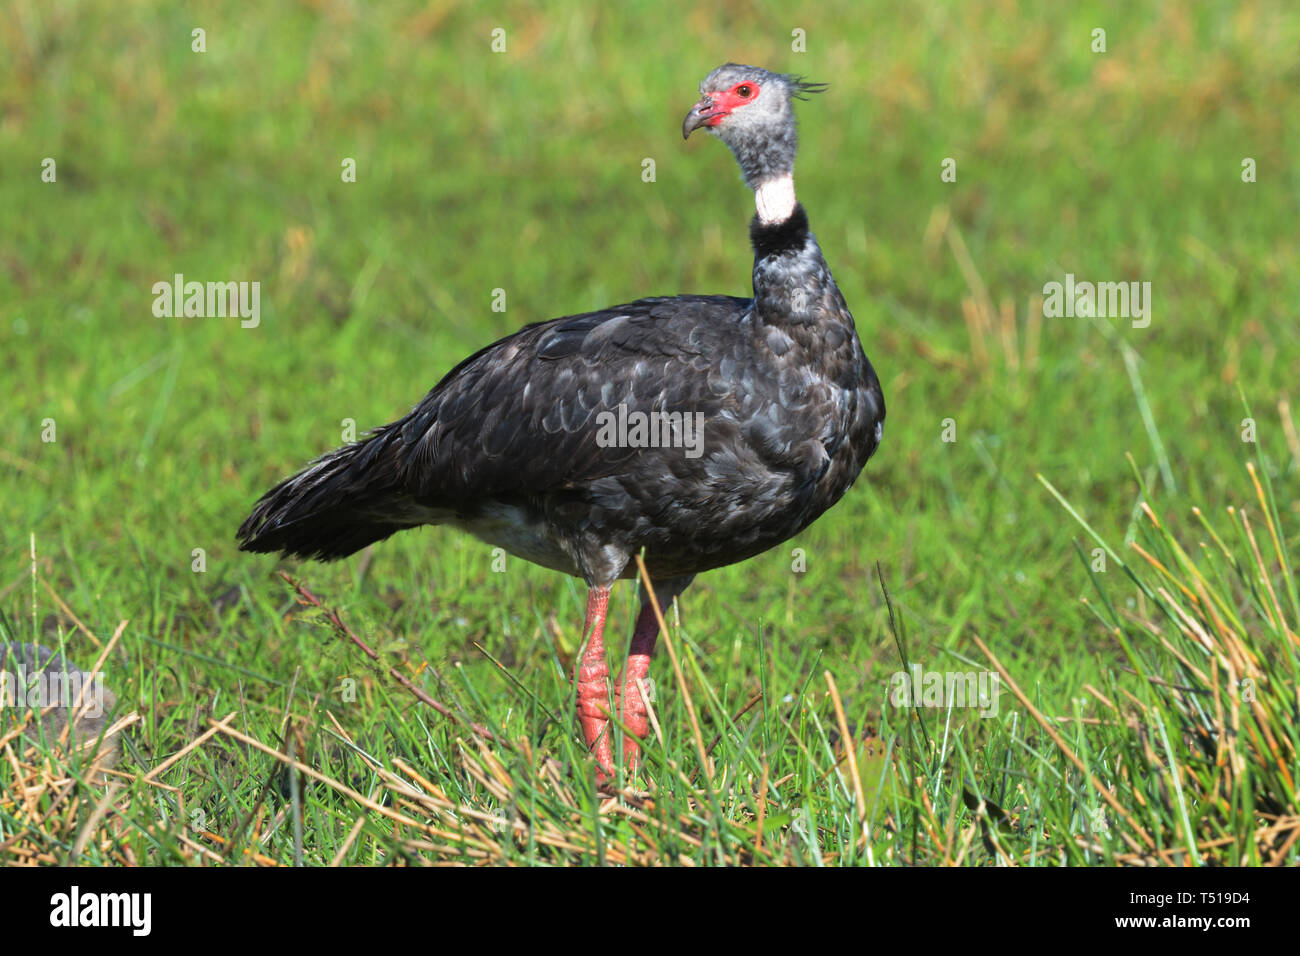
{"type": "Point", "coordinates": [522, 171]}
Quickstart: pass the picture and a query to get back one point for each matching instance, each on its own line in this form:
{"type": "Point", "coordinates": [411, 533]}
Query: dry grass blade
{"type": "Point", "coordinates": [331, 615]}
{"type": "Point", "coordinates": [1102, 790]}
{"type": "Point", "coordinates": [705, 762]}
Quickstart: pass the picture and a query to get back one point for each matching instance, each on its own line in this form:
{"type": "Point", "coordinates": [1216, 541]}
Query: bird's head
{"type": "Point", "coordinates": [750, 109]}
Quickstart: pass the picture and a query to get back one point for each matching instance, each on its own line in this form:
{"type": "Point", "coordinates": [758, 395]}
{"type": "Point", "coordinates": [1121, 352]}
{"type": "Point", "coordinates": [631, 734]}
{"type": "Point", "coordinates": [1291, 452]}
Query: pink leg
{"type": "Point", "coordinates": [633, 706]}
{"type": "Point", "coordinates": [592, 679]}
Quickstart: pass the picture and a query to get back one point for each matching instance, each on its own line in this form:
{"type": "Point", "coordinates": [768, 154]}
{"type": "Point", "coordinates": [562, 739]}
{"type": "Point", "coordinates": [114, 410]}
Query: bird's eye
{"type": "Point", "coordinates": [745, 90]}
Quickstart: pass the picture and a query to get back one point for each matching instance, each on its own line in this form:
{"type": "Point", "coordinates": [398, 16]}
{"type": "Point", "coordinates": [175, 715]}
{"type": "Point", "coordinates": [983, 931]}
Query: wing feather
{"type": "Point", "coordinates": [520, 416]}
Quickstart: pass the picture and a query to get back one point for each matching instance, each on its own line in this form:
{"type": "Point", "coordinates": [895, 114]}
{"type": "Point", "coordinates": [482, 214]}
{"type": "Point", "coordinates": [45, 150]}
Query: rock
{"type": "Point", "coordinates": [32, 676]}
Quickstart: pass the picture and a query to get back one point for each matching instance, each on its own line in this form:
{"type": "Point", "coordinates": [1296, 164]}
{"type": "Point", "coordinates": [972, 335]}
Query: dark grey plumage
{"type": "Point", "coordinates": [507, 445]}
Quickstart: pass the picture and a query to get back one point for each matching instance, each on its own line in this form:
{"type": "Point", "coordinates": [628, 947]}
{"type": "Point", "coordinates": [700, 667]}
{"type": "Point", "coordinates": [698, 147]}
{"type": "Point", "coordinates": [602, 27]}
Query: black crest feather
{"type": "Point", "coordinates": [803, 87]}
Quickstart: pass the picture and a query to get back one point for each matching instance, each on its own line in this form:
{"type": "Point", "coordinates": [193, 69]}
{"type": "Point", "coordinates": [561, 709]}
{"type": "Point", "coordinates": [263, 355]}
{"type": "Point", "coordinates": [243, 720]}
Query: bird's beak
{"type": "Point", "coordinates": [700, 114]}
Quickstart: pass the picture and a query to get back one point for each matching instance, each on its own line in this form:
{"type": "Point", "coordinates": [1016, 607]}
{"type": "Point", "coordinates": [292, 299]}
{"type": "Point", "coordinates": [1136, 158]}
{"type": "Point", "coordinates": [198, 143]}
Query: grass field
{"type": "Point", "coordinates": [1032, 510]}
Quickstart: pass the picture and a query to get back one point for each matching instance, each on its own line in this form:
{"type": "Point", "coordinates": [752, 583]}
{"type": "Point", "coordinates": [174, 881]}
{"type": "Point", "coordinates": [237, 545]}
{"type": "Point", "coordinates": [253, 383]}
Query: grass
{"type": "Point", "coordinates": [1122, 734]}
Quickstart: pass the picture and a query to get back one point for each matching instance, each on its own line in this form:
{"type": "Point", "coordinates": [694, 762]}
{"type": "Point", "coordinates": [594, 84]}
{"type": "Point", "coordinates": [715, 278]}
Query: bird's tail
{"type": "Point", "coordinates": [343, 501]}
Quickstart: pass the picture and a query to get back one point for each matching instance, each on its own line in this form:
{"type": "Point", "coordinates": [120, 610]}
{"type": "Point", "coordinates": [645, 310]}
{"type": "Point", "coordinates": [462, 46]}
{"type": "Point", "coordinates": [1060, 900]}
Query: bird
{"type": "Point", "coordinates": [695, 430]}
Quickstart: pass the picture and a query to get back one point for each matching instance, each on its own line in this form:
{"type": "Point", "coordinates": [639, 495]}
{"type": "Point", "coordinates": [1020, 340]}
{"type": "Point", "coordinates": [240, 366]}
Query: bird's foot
{"type": "Point", "coordinates": [591, 679]}
{"type": "Point", "coordinates": [593, 718]}
{"type": "Point", "coordinates": [634, 711]}
{"type": "Point", "coordinates": [597, 729]}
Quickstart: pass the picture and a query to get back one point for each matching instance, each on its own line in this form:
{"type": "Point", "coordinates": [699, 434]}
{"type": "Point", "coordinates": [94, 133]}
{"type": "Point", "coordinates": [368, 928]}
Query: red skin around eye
{"type": "Point", "coordinates": [728, 100]}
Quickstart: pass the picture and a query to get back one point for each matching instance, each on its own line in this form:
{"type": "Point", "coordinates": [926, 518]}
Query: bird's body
{"type": "Point", "coordinates": [700, 430]}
